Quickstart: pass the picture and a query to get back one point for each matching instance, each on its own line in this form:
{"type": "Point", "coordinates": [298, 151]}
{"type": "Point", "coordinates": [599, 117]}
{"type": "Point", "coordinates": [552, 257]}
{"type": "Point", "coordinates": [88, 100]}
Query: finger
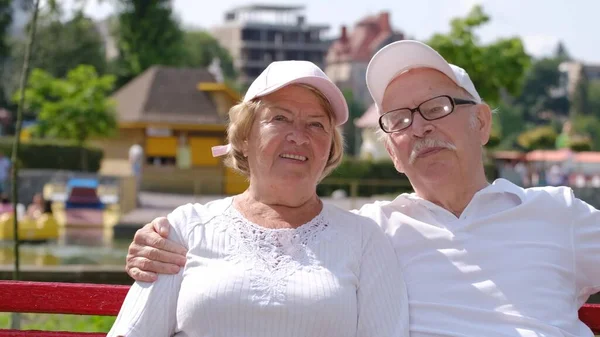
{"type": "Point", "coordinates": [173, 247]}
{"type": "Point", "coordinates": [161, 226]}
{"type": "Point", "coordinates": [141, 235]}
{"type": "Point", "coordinates": [142, 276]}
{"type": "Point", "coordinates": [147, 265]}
{"type": "Point", "coordinates": [150, 238]}
{"type": "Point", "coordinates": [161, 256]}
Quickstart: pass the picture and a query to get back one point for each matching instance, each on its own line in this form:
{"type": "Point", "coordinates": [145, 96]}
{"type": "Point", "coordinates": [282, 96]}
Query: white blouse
{"type": "Point", "coordinates": [335, 276]}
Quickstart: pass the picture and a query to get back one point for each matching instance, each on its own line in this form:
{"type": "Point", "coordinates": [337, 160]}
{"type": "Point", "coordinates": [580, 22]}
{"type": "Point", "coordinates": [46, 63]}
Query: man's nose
{"type": "Point", "coordinates": [420, 127]}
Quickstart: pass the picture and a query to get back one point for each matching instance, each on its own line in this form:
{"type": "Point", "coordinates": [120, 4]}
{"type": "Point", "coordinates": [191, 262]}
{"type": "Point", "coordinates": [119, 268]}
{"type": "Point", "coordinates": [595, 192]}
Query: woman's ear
{"type": "Point", "coordinates": [245, 148]}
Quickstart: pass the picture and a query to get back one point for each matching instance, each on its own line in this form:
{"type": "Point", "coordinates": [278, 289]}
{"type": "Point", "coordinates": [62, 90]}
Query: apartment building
{"type": "Point", "coordinates": [257, 35]}
{"type": "Point", "coordinates": [349, 55]}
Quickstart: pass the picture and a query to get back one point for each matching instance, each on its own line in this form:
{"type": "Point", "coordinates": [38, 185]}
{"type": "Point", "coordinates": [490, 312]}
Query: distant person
{"type": "Point", "coordinates": [542, 175]}
{"type": "Point", "coordinates": [554, 175]}
{"type": "Point", "coordinates": [523, 172]}
{"type": "Point", "coordinates": [136, 162]}
{"type": "Point", "coordinates": [508, 171]}
{"type": "Point", "coordinates": [37, 207]}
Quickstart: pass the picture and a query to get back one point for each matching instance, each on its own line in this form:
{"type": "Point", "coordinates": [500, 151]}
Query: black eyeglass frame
{"type": "Point", "coordinates": [453, 100]}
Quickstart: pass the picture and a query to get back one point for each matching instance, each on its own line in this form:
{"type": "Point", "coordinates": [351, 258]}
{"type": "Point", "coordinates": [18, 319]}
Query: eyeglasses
{"type": "Point", "coordinates": [432, 109]}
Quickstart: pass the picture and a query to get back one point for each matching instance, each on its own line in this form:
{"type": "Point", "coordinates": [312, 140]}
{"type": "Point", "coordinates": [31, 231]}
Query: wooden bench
{"type": "Point", "coordinates": [59, 298]}
{"type": "Point", "coordinates": [106, 300]}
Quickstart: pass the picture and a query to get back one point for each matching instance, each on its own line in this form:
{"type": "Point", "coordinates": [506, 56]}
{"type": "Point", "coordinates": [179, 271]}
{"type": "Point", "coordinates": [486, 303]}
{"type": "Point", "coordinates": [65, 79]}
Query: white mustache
{"type": "Point", "coordinates": [427, 143]}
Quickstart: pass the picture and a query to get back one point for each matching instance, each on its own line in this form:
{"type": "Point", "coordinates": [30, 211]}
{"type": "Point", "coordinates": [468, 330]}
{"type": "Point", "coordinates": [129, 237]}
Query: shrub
{"type": "Point", "coordinates": [53, 154]}
{"type": "Point", "coordinates": [541, 137]}
{"type": "Point", "coordinates": [373, 177]}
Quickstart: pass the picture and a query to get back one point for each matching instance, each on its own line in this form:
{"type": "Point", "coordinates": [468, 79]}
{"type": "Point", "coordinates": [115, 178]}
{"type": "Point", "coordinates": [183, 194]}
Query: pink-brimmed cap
{"type": "Point", "coordinates": [280, 74]}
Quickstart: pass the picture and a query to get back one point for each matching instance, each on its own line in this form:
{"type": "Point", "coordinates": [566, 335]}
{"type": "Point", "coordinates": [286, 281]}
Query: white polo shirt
{"type": "Point", "coordinates": [517, 262]}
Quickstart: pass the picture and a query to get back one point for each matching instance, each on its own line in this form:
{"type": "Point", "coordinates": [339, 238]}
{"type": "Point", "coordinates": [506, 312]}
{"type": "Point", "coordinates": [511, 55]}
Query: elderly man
{"type": "Point", "coordinates": [479, 259]}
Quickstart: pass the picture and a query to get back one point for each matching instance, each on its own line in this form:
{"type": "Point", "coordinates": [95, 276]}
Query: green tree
{"type": "Point", "coordinates": [542, 75]}
{"type": "Point", "coordinates": [507, 123]}
{"type": "Point", "coordinates": [594, 97]}
{"type": "Point", "coordinates": [147, 34]}
{"type": "Point", "coordinates": [561, 52]}
{"type": "Point", "coordinates": [588, 126]}
{"type": "Point", "coordinates": [3, 101]}
{"type": "Point", "coordinates": [579, 100]}
{"type": "Point", "coordinates": [541, 91]}
{"type": "Point", "coordinates": [492, 67]}
{"type": "Point", "coordinates": [62, 46]}
{"type": "Point", "coordinates": [5, 22]}
{"type": "Point", "coordinates": [351, 132]}
{"type": "Point", "coordinates": [74, 108]}
{"type": "Point", "coordinates": [200, 50]}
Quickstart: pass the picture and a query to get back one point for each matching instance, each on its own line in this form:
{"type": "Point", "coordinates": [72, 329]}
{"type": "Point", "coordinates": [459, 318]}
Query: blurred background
{"type": "Point", "coordinates": [125, 99]}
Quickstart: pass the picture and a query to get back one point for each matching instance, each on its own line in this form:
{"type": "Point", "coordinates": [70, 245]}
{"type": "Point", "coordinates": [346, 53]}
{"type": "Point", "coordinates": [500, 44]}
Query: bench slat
{"type": "Point", "coordinates": [61, 298]}
{"type": "Point", "coordinates": [590, 315]}
{"type": "Point", "coordinates": [106, 300]}
{"type": "Point", "coordinates": [36, 333]}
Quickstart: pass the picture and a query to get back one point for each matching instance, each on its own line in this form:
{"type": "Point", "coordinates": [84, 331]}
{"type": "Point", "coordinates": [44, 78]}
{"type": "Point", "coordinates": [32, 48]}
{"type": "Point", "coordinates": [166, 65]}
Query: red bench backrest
{"type": "Point", "coordinates": [59, 298]}
{"type": "Point", "coordinates": [106, 300]}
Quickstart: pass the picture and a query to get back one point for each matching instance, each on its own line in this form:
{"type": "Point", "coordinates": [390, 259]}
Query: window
{"type": "Point", "coordinates": [161, 150]}
{"type": "Point", "coordinates": [201, 148]}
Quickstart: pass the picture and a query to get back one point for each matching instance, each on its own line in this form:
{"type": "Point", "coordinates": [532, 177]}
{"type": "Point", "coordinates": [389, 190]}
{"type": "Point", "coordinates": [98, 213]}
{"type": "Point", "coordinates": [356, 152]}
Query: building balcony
{"type": "Point", "coordinates": [304, 46]}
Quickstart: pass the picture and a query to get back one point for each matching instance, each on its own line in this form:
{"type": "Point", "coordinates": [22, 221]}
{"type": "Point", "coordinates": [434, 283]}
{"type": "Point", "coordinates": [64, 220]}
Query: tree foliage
{"type": "Point", "coordinates": [73, 108]}
{"type": "Point", "coordinates": [202, 48]}
{"type": "Point", "coordinates": [541, 137]}
{"type": "Point", "coordinates": [579, 100]}
{"type": "Point", "coordinates": [60, 46]}
{"type": "Point", "coordinates": [493, 67]}
{"type": "Point", "coordinates": [147, 35]}
{"type": "Point", "coordinates": [351, 132]}
{"type": "Point", "coordinates": [594, 97]}
{"type": "Point", "coordinates": [542, 91]}
{"type": "Point", "coordinates": [5, 22]}
{"type": "Point", "coordinates": [588, 127]}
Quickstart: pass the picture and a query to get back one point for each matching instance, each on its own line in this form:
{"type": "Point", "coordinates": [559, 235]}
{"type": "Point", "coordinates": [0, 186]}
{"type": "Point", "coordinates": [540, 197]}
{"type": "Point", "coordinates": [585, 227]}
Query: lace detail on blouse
{"type": "Point", "coordinates": [272, 255]}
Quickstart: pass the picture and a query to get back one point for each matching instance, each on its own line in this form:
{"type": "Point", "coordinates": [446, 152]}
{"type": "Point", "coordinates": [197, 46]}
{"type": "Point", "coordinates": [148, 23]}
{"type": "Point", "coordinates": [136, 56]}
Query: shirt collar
{"type": "Point", "coordinates": [503, 186]}
{"type": "Point", "coordinates": [499, 186]}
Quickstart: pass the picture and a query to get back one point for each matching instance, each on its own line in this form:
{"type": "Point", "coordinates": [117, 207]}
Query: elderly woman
{"type": "Point", "coordinates": [275, 260]}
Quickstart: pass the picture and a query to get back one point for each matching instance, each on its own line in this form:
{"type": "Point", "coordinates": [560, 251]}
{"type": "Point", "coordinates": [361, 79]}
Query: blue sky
{"type": "Point", "coordinates": [540, 23]}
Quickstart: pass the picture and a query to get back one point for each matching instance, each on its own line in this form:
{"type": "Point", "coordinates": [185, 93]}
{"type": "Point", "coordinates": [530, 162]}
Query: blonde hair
{"type": "Point", "coordinates": [241, 118]}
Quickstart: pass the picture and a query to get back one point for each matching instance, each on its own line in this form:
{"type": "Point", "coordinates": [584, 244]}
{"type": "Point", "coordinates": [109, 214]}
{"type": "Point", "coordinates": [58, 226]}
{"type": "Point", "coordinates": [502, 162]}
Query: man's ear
{"type": "Point", "coordinates": [484, 122]}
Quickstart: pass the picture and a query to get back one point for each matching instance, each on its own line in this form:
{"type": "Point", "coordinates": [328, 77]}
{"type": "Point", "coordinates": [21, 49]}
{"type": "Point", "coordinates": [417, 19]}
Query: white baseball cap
{"type": "Point", "coordinates": [280, 74]}
{"type": "Point", "coordinates": [398, 57]}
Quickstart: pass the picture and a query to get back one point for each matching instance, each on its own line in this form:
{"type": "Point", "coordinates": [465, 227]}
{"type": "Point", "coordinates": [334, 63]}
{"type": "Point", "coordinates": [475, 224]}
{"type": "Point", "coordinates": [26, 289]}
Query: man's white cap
{"type": "Point", "coordinates": [398, 57]}
{"type": "Point", "coordinates": [280, 74]}
{"type": "Point", "coordinates": [283, 73]}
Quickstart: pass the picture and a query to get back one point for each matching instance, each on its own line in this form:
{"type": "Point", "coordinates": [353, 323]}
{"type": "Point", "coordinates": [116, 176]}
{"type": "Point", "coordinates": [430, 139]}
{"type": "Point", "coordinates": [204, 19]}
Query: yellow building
{"type": "Point", "coordinates": [176, 115]}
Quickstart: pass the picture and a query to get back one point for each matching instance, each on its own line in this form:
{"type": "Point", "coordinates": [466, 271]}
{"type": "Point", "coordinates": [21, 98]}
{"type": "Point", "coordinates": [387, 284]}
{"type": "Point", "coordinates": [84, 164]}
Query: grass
{"type": "Point", "coordinates": [73, 323]}
{"type": "Point", "coordinates": [50, 322]}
